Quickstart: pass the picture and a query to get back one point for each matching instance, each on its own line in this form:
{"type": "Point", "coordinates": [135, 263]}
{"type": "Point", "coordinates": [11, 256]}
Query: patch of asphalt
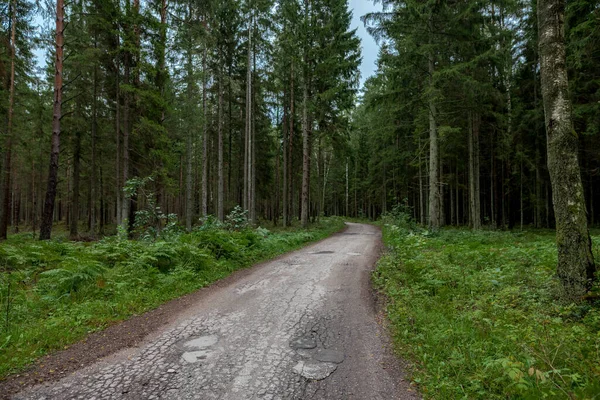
{"type": "Point", "coordinates": [298, 327]}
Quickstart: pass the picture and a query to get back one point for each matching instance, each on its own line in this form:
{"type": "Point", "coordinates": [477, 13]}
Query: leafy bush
{"type": "Point", "coordinates": [237, 219]}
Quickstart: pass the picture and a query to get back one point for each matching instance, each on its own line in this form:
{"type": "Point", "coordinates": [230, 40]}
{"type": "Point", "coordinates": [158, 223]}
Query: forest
{"type": "Point", "coordinates": [168, 121]}
{"type": "Point", "coordinates": [194, 108]}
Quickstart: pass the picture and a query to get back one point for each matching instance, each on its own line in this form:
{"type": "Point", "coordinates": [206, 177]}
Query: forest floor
{"type": "Point", "coordinates": [479, 316]}
{"type": "Point", "coordinates": [55, 293]}
{"type": "Point", "coordinates": [305, 325]}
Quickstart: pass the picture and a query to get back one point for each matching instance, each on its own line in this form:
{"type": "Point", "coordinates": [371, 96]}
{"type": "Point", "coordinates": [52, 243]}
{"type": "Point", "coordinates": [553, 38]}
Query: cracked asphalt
{"type": "Point", "coordinates": [303, 326]}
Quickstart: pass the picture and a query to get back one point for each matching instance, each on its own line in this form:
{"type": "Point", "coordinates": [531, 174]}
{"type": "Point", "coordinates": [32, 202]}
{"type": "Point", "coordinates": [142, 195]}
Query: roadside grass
{"type": "Point", "coordinates": [54, 293]}
{"type": "Point", "coordinates": [478, 316]}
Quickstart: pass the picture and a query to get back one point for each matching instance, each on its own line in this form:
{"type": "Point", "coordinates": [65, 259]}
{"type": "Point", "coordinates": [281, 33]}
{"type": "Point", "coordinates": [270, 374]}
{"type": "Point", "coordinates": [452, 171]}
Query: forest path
{"type": "Point", "coordinates": [303, 326]}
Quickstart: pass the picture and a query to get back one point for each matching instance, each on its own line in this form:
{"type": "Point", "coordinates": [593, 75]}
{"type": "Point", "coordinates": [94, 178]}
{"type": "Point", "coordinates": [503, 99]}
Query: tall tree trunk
{"type": "Point", "coordinates": [286, 198]}
{"type": "Point", "coordinates": [92, 205]}
{"type": "Point", "coordinates": [5, 195]}
{"type": "Point", "coordinates": [292, 117]}
{"type": "Point", "coordinates": [74, 220]}
{"type": "Point", "coordinates": [305, 154]}
{"type": "Point", "coordinates": [434, 170]}
{"type": "Point", "coordinates": [474, 194]}
{"type": "Point", "coordinates": [204, 137]}
{"type": "Point", "coordinates": [576, 265]}
{"type": "Point", "coordinates": [118, 185]}
{"type": "Point", "coordinates": [220, 178]}
{"type": "Point", "coordinates": [46, 225]}
{"type": "Point", "coordinates": [421, 188]}
{"type": "Point", "coordinates": [189, 197]}
{"type": "Point", "coordinates": [125, 200]}
{"type": "Point", "coordinates": [253, 150]}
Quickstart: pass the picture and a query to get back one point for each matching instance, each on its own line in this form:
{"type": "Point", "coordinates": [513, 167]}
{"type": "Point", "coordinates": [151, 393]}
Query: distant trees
{"type": "Point", "coordinates": [207, 100]}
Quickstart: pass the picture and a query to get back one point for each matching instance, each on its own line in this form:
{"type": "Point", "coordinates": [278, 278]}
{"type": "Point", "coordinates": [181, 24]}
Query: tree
{"type": "Point", "coordinates": [576, 267]}
{"type": "Point", "coordinates": [5, 195]}
{"type": "Point", "coordinates": [47, 216]}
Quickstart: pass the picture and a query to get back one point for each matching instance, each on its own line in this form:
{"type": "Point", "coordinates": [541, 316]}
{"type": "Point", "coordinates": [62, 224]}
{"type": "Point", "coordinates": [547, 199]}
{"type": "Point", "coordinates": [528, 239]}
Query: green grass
{"type": "Point", "coordinates": [478, 315]}
{"type": "Point", "coordinates": [61, 291]}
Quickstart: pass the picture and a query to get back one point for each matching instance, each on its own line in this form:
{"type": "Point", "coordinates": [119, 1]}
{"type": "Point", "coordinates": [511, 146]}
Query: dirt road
{"type": "Point", "coordinates": [301, 327]}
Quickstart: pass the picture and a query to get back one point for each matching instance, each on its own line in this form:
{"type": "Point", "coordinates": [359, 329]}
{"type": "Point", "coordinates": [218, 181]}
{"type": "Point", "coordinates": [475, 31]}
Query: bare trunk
{"type": "Point", "coordinates": [292, 116]}
{"type": "Point", "coordinates": [286, 198]}
{"type": "Point", "coordinates": [46, 226]}
{"type": "Point", "coordinates": [434, 187]}
{"type": "Point", "coordinates": [5, 195]}
{"type": "Point", "coordinates": [220, 183]}
{"type": "Point", "coordinates": [305, 156]}
{"type": "Point", "coordinates": [474, 195]}
{"type": "Point", "coordinates": [576, 267]}
{"type": "Point", "coordinates": [189, 198]}
{"type": "Point", "coordinates": [92, 205]}
{"type": "Point", "coordinates": [74, 220]}
{"type": "Point", "coordinates": [204, 139]}
{"type": "Point", "coordinates": [118, 186]}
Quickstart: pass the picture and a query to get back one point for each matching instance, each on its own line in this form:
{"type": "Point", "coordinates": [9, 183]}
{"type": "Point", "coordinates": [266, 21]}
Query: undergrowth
{"type": "Point", "coordinates": [478, 315]}
{"type": "Point", "coordinates": [53, 293]}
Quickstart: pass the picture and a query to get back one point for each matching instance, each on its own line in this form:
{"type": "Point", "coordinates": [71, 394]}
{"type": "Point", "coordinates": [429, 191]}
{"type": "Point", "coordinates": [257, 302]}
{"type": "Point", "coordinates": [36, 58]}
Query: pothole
{"type": "Point", "coordinates": [322, 252]}
{"type": "Point", "coordinates": [201, 342]}
{"type": "Point", "coordinates": [329, 356]}
{"type": "Point", "coordinates": [314, 370]}
{"type": "Point", "coordinates": [304, 342]}
{"type": "Point", "coordinates": [197, 349]}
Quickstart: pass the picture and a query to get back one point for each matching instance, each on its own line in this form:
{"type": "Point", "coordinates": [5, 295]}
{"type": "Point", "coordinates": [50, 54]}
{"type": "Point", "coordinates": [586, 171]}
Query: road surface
{"type": "Point", "coordinates": [303, 326]}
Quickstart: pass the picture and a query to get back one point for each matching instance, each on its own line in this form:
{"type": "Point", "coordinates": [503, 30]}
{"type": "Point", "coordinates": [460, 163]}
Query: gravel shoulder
{"type": "Point", "coordinates": [302, 326]}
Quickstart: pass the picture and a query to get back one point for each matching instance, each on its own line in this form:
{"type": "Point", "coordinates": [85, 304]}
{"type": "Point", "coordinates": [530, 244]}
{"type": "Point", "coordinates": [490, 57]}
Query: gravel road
{"type": "Point", "coordinates": [303, 326]}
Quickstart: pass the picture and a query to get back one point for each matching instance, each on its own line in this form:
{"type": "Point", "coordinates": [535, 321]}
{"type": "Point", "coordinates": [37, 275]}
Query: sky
{"type": "Point", "coordinates": [369, 48]}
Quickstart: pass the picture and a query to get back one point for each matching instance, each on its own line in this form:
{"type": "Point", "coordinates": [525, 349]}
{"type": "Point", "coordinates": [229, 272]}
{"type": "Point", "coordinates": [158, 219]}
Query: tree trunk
{"type": "Point", "coordinates": [118, 186]}
{"type": "Point", "coordinates": [125, 201]}
{"type": "Point", "coordinates": [576, 266]}
{"type": "Point", "coordinates": [285, 197]}
{"type": "Point", "coordinates": [48, 213]}
{"type": "Point", "coordinates": [5, 195]}
{"type": "Point", "coordinates": [189, 198]}
{"type": "Point", "coordinates": [305, 155]}
{"type": "Point", "coordinates": [434, 170]}
{"type": "Point", "coordinates": [204, 138]}
{"type": "Point", "coordinates": [220, 178]}
{"type": "Point", "coordinates": [290, 183]}
{"type": "Point", "coordinates": [474, 195]}
{"type": "Point", "coordinates": [74, 220]}
{"type": "Point", "coordinates": [92, 203]}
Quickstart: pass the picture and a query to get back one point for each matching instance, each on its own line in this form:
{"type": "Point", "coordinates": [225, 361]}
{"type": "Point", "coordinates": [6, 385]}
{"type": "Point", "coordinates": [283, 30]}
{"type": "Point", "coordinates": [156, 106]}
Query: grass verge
{"type": "Point", "coordinates": [54, 293]}
{"type": "Point", "coordinates": [477, 314]}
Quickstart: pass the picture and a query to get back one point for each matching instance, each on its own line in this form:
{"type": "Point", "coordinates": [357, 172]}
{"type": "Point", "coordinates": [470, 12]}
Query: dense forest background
{"type": "Point", "coordinates": [172, 111]}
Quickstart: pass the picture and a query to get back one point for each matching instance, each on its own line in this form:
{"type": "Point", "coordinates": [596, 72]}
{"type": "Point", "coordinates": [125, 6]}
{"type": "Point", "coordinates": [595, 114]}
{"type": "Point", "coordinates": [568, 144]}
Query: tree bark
{"type": "Point", "coordinates": [220, 177]}
{"type": "Point", "coordinates": [434, 170]}
{"type": "Point", "coordinates": [474, 194]}
{"type": "Point", "coordinates": [74, 220]}
{"type": "Point", "coordinates": [305, 156]}
{"type": "Point", "coordinates": [92, 210]}
{"type": "Point", "coordinates": [189, 198]}
{"type": "Point", "coordinates": [204, 138]}
{"type": "Point", "coordinates": [576, 267]}
{"type": "Point", "coordinates": [5, 195]}
{"type": "Point", "coordinates": [46, 225]}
